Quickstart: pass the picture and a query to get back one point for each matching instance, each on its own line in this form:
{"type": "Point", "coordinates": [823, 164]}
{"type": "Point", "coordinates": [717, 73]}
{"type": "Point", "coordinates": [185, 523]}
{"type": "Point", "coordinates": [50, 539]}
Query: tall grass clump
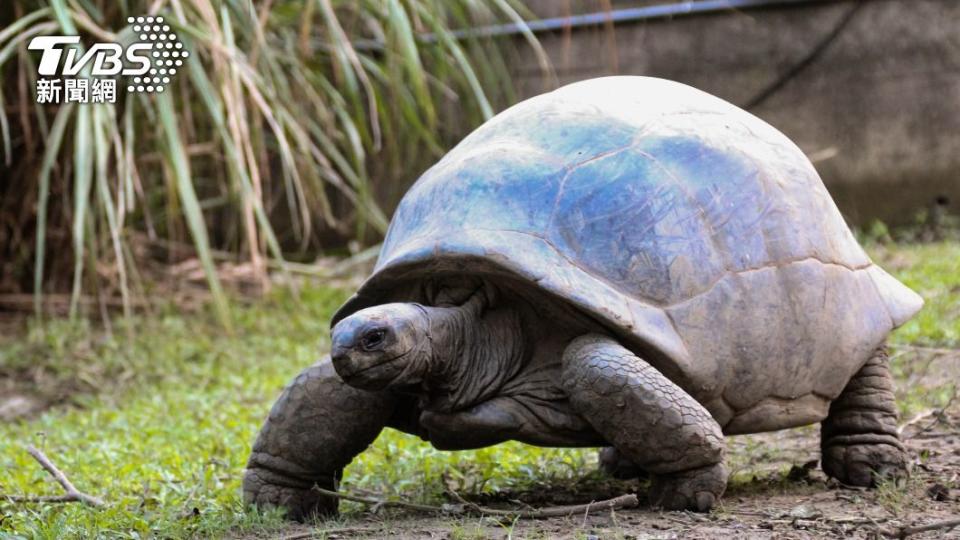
{"type": "Point", "coordinates": [289, 128]}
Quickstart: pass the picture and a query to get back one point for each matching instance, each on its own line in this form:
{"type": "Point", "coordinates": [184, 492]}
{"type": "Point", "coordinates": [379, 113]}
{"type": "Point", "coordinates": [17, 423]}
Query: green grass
{"type": "Point", "coordinates": [933, 271]}
{"type": "Point", "coordinates": [174, 436]}
{"type": "Point", "coordinates": [169, 406]}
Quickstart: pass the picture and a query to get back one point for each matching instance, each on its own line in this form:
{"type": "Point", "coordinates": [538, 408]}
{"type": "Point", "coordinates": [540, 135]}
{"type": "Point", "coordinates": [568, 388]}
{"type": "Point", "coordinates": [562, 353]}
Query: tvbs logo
{"type": "Point", "coordinates": [148, 64]}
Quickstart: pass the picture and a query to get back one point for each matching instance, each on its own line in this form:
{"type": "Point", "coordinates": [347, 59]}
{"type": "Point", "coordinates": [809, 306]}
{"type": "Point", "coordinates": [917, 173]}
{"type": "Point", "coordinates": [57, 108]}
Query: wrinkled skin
{"type": "Point", "coordinates": [313, 431]}
{"type": "Point", "coordinates": [859, 440]}
{"type": "Point", "coordinates": [473, 365]}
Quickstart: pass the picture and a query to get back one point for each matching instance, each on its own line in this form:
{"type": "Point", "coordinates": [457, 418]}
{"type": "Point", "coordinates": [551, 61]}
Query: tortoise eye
{"type": "Point", "coordinates": [373, 339]}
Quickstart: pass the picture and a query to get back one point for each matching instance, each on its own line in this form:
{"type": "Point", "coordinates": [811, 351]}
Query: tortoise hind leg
{"type": "Point", "coordinates": [650, 420]}
{"type": "Point", "coordinates": [859, 441]}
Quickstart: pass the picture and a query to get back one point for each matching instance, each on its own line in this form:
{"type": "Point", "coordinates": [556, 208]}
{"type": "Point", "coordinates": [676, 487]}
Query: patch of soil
{"type": "Point", "coordinates": [27, 390]}
{"type": "Point", "coordinates": [27, 393]}
{"type": "Point", "coordinates": [14, 406]}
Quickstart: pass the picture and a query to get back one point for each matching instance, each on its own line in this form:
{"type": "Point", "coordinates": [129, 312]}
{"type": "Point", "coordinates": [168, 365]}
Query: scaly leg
{"type": "Point", "coordinates": [313, 431]}
{"type": "Point", "coordinates": [858, 440]}
{"type": "Point", "coordinates": [650, 420]}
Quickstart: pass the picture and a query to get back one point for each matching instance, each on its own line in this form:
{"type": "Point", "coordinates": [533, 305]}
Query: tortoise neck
{"type": "Point", "coordinates": [476, 348]}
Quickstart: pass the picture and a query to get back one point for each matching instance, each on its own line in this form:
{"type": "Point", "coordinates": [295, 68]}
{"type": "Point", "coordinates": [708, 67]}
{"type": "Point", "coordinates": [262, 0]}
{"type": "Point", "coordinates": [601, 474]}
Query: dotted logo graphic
{"type": "Point", "coordinates": [166, 57]}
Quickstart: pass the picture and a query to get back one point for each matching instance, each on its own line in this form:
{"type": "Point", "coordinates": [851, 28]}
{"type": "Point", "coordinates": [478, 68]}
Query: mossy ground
{"type": "Point", "coordinates": [157, 419]}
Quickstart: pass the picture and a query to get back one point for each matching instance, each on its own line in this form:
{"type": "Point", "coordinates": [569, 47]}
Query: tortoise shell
{"type": "Point", "coordinates": [692, 230]}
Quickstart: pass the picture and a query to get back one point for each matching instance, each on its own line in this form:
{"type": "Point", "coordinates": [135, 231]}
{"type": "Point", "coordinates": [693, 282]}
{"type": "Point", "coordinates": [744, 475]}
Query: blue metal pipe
{"type": "Point", "coordinates": [617, 16]}
{"type": "Point", "coordinates": [622, 15]}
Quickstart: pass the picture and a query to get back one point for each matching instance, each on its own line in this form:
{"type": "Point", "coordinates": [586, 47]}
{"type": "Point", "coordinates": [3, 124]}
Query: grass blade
{"type": "Point", "coordinates": [49, 160]}
{"type": "Point", "coordinates": [18, 25]}
{"type": "Point", "coordinates": [177, 156]}
{"type": "Point", "coordinates": [407, 47]}
{"type": "Point", "coordinates": [446, 39]}
{"type": "Point", "coordinates": [544, 60]}
{"type": "Point", "coordinates": [62, 14]}
{"type": "Point", "coordinates": [101, 124]}
{"type": "Point", "coordinates": [82, 175]}
{"type": "Point", "coordinates": [5, 132]}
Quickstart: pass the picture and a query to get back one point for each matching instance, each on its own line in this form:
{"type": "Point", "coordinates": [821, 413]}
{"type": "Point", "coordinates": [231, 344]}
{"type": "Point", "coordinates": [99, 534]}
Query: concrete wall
{"type": "Point", "coordinates": [878, 110]}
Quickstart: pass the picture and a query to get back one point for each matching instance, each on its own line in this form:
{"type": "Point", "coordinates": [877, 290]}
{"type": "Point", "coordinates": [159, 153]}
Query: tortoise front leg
{"type": "Point", "coordinates": [650, 420]}
{"type": "Point", "coordinates": [313, 431]}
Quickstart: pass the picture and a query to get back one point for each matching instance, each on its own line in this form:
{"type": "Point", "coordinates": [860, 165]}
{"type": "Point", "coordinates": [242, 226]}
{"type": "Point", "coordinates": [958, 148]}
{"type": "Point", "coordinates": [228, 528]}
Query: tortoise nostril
{"type": "Point", "coordinates": [340, 359]}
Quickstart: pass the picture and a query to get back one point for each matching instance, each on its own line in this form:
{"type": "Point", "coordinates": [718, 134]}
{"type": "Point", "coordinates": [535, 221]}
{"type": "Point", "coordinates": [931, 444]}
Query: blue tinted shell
{"type": "Point", "coordinates": [696, 232]}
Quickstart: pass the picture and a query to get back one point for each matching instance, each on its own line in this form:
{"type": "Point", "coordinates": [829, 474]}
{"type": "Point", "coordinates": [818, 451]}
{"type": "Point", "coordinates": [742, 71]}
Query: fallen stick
{"type": "Point", "coordinates": [917, 419]}
{"type": "Point", "coordinates": [377, 502]}
{"type": "Point", "coordinates": [73, 494]}
{"type": "Point", "coordinates": [323, 533]}
{"type": "Point", "coordinates": [39, 498]}
{"type": "Point", "coordinates": [904, 532]}
{"type": "Point", "coordinates": [623, 501]}
{"type": "Point", "coordinates": [931, 350]}
{"type": "Point", "coordinates": [939, 414]}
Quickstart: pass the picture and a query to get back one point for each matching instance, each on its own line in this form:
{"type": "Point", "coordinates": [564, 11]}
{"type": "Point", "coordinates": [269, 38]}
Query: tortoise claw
{"type": "Point", "coordinates": [865, 465]}
{"type": "Point", "coordinates": [694, 489]}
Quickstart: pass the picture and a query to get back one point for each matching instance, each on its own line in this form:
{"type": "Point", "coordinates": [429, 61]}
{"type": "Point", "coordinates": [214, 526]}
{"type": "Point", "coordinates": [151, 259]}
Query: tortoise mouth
{"type": "Point", "coordinates": [375, 375]}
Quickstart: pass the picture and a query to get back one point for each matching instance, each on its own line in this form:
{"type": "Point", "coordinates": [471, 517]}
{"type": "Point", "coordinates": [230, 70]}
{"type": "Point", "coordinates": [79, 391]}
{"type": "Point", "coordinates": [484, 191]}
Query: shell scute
{"type": "Point", "coordinates": [629, 223]}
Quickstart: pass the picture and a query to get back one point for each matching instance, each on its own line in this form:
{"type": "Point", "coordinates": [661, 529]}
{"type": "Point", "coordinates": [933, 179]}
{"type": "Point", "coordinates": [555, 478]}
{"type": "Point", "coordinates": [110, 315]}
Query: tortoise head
{"type": "Point", "coordinates": [452, 355]}
{"type": "Point", "coordinates": [385, 346]}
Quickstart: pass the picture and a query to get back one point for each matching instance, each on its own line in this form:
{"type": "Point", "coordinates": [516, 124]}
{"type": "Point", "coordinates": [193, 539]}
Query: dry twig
{"type": "Point", "coordinates": [904, 532]}
{"type": "Point", "coordinates": [324, 533]}
{"type": "Point", "coordinates": [73, 494]}
{"type": "Point", "coordinates": [623, 501]}
{"type": "Point", "coordinates": [920, 417]}
{"type": "Point", "coordinates": [941, 351]}
{"type": "Point", "coordinates": [939, 415]}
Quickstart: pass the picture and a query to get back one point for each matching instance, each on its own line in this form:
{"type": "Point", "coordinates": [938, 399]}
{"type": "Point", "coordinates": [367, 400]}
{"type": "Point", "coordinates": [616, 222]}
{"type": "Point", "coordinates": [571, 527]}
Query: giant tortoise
{"type": "Point", "coordinates": [627, 263]}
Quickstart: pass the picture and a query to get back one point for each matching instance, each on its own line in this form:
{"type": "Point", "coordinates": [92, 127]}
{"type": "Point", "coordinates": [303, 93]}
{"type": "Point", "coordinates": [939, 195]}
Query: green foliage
{"type": "Point", "coordinates": [280, 123]}
{"type": "Point", "coordinates": [178, 406]}
{"type": "Point", "coordinates": [467, 532]}
{"type": "Point", "coordinates": [933, 271]}
{"type": "Point", "coordinates": [902, 496]}
{"type": "Point", "coordinates": [163, 429]}
{"type": "Point", "coordinates": [175, 443]}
